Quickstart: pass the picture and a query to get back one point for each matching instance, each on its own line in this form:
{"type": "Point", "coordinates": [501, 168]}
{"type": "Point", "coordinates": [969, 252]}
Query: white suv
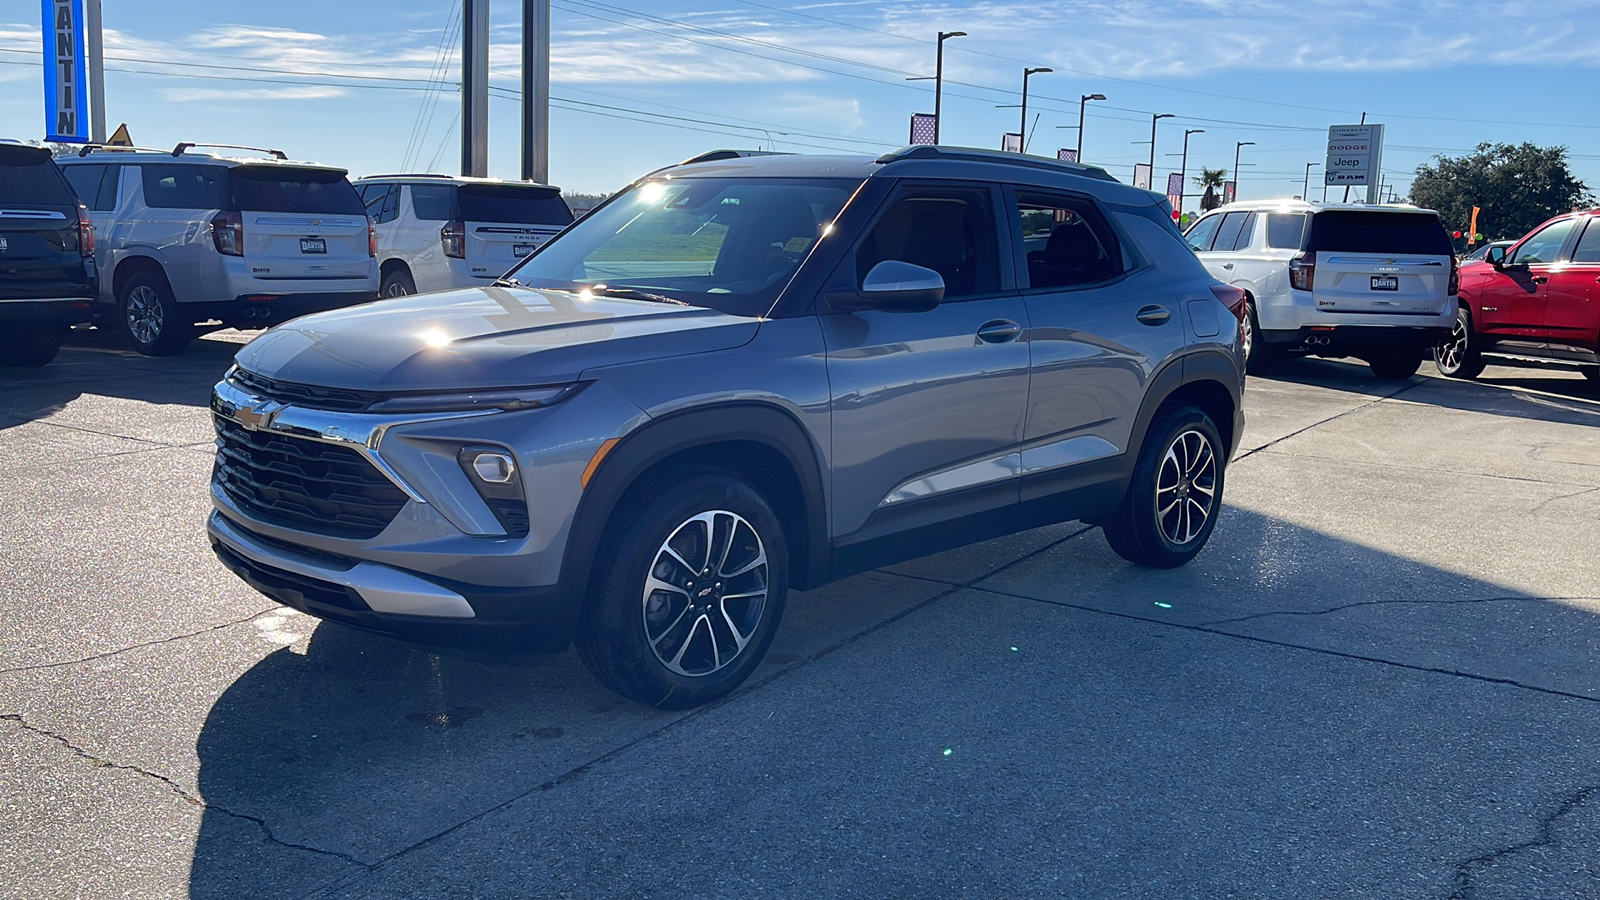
{"type": "Point", "coordinates": [438, 232]}
{"type": "Point", "coordinates": [1327, 279]}
{"type": "Point", "coordinates": [186, 238]}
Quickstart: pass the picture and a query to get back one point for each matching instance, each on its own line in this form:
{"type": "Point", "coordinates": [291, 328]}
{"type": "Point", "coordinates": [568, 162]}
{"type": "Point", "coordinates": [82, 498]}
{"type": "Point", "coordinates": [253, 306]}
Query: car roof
{"type": "Point", "coordinates": [1315, 206]}
{"type": "Point", "coordinates": [432, 178]}
{"type": "Point", "coordinates": [97, 154]}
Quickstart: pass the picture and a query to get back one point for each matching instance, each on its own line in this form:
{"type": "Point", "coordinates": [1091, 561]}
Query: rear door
{"type": "Point", "coordinates": [39, 255]}
{"type": "Point", "coordinates": [505, 222]}
{"type": "Point", "coordinates": [301, 223]}
{"type": "Point", "coordinates": [1376, 262]}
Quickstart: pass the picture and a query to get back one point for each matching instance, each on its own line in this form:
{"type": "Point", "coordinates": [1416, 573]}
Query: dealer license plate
{"type": "Point", "coordinates": [522, 250]}
{"type": "Point", "coordinates": [313, 245]}
{"type": "Point", "coordinates": [1385, 283]}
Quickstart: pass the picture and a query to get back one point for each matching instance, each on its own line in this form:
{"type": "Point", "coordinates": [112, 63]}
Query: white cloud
{"type": "Point", "coordinates": [190, 95]}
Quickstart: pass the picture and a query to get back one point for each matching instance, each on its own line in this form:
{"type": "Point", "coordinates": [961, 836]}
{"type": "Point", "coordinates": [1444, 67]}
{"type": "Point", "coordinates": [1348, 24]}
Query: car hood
{"type": "Point", "coordinates": [483, 338]}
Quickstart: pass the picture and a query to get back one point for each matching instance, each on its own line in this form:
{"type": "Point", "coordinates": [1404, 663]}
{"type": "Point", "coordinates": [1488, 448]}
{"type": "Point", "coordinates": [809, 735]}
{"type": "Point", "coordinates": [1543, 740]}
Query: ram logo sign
{"type": "Point", "coordinates": [66, 90]}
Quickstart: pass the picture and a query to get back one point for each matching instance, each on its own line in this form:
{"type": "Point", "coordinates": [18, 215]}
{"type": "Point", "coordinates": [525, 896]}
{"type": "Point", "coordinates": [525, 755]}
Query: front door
{"type": "Point", "coordinates": [1512, 298]}
{"type": "Point", "coordinates": [1572, 295]}
{"type": "Point", "coordinates": [927, 406]}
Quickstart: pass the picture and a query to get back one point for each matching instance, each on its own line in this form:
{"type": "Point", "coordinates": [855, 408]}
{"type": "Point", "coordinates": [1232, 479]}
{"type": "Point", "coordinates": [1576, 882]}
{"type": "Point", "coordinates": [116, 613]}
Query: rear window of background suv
{"type": "Point", "coordinates": [1389, 233]}
{"type": "Point", "coordinates": [37, 184]}
{"type": "Point", "coordinates": [249, 188]}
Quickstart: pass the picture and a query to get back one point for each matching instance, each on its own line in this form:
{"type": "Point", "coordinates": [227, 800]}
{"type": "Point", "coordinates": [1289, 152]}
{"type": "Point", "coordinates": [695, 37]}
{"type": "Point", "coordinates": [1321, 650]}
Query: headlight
{"type": "Point", "coordinates": [476, 401]}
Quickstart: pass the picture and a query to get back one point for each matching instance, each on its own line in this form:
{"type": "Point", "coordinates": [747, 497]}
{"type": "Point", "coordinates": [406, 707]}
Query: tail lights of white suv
{"type": "Point", "coordinates": [1455, 277]}
{"type": "Point", "coordinates": [1303, 271]}
{"type": "Point", "coordinates": [227, 232]}
{"type": "Point", "coordinates": [454, 237]}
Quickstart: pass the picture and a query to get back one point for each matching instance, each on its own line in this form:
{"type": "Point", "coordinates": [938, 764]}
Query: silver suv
{"type": "Point", "coordinates": [739, 376]}
{"type": "Point", "coordinates": [190, 237]}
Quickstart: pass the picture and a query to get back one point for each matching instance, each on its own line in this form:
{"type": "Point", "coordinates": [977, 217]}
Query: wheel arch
{"type": "Point", "coordinates": [132, 265]}
{"type": "Point", "coordinates": [1208, 380]}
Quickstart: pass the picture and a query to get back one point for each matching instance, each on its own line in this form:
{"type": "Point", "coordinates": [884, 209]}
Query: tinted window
{"type": "Point", "coordinates": [184, 187]}
{"type": "Point", "coordinates": [433, 202]}
{"type": "Point", "coordinates": [382, 201]}
{"type": "Point", "coordinates": [510, 203]}
{"type": "Point", "coordinates": [1247, 234]}
{"type": "Point", "coordinates": [1544, 245]}
{"type": "Point", "coordinates": [950, 231]}
{"type": "Point", "coordinates": [85, 181]}
{"type": "Point", "coordinates": [1228, 231]}
{"type": "Point", "coordinates": [1200, 235]}
{"type": "Point", "coordinates": [1065, 242]}
{"type": "Point", "coordinates": [1286, 231]}
{"type": "Point", "coordinates": [1588, 249]}
{"type": "Point", "coordinates": [32, 179]}
{"type": "Point", "coordinates": [1358, 231]}
{"type": "Point", "coordinates": [284, 189]}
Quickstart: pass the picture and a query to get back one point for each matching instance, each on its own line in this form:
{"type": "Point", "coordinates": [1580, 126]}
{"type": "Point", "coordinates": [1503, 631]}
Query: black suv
{"type": "Point", "coordinates": [47, 275]}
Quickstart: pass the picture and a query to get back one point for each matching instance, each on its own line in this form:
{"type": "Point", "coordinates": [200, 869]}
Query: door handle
{"type": "Point", "coordinates": [1153, 315]}
{"type": "Point", "coordinates": [1541, 279]}
{"type": "Point", "coordinates": [1227, 265]}
{"type": "Point", "coordinates": [999, 331]}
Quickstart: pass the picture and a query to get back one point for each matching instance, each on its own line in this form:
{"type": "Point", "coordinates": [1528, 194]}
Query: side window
{"type": "Point", "coordinates": [85, 181]}
{"type": "Point", "coordinates": [1588, 250]}
{"type": "Point", "coordinates": [432, 202]}
{"type": "Point", "coordinates": [1200, 234]}
{"type": "Point", "coordinates": [948, 230]}
{"type": "Point", "coordinates": [1247, 234]}
{"type": "Point", "coordinates": [382, 202]}
{"type": "Point", "coordinates": [391, 204]}
{"type": "Point", "coordinates": [1286, 231]}
{"type": "Point", "coordinates": [107, 199]}
{"type": "Point", "coordinates": [1544, 245]}
{"type": "Point", "coordinates": [184, 187]}
{"type": "Point", "coordinates": [1228, 232]}
{"type": "Point", "coordinates": [1065, 242]}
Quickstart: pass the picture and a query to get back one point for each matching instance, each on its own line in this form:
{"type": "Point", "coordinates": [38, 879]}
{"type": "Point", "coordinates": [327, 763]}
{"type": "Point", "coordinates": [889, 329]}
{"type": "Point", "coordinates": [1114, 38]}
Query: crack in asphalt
{"type": "Point", "coordinates": [584, 768]}
{"type": "Point", "coordinates": [1355, 409]}
{"type": "Point", "coordinates": [1341, 608]}
{"type": "Point", "coordinates": [1464, 888]}
{"type": "Point", "coordinates": [1543, 503]}
{"type": "Point", "coordinates": [177, 789]}
{"type": "Point", "coordinates": [155, 643]}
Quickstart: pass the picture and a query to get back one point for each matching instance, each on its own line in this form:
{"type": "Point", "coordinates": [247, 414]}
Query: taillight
{"type": "Point", "coordinates": [454, 237]}
{"type": "Point", "coordinates": [1303, 271]}
{"type": "Point", "coordinates": [85, 233]}
{"type": "Point", "coordinates": [1231, 297]}
{"type": "Point", "coordinates": [372, 238]}
{"type": "Point", "coordinates": [1455, 277]}
{"type": "Point", "coordinates": [227, 232]}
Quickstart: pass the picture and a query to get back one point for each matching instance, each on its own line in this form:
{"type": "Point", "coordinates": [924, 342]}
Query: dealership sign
{"type": "Point", "coordinates": [1355, 155]}
{"type": "Point", "coordinates": [66, 94]}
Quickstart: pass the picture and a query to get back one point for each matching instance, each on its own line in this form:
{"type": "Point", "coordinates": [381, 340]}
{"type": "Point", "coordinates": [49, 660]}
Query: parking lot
{"type": "Point", "coordinates": [1378, 680]}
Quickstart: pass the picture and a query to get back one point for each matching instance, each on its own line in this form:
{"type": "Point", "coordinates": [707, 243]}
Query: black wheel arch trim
{"type": "Point", "coordinates": [1198, 367]}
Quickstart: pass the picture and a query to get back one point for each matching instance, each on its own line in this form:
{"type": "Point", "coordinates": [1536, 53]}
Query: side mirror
{"type": "Point", "coordinates": [1496, 257]}
{"type": "Point", "coordinates": [894, 286]}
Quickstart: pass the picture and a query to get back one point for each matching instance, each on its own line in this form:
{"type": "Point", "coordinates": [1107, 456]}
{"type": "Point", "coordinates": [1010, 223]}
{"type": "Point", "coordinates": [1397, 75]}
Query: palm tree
{"type": "Point", "coordinates": [1212, 180]}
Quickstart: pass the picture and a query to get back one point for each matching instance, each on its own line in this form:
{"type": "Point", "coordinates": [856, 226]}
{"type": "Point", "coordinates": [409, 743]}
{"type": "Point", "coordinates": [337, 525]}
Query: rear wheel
{"type": "Point", "coordinates": [1457, 355]}
{"type": "Point", "coordinates": [1258, 355]}
{"type": "Point", "coordinates": [1172, 502]}
{"type": "Point", "coordinates": [150, 318]}
{"type": "Point", "coordinates": [1592, 373]}
{"type": "Point", "coordinates": [32, 345]}
{"type": "Point", "coordinates": [398, 283]}
{"type": "Point", "coordinates": [687, 595]}
{"type": "Point", "coordinates": [1395, 366]}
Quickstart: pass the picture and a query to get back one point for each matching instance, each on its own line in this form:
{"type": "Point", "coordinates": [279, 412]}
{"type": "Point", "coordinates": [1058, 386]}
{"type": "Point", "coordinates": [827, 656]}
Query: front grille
{"type": "Point", "coordinates": [304, 395]}
{"type": "Point", "coordinates": [305, 485]}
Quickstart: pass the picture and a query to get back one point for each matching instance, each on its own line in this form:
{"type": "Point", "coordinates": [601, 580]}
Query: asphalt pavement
{"type": "Point", "coordinates": [1378, 680]}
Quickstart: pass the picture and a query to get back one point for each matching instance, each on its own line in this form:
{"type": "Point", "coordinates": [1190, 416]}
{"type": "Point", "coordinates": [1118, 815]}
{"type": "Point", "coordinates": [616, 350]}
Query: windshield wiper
{"type": "Point", "coordinates": [635, 294]}
{"type": "Point", "coordinates": [503, 281]}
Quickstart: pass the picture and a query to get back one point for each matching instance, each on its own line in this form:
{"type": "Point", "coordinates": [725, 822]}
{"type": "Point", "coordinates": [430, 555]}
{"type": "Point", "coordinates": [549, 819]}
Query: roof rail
{"type": "Point", "coordinates": [717, 155]}
{"type": "Point", "coordinates": [972, 154]}
{"type": "Point", "coordinates": [105, 148]}
{"type": "Point", "coordinates": [409, 175]}
{"type": "Point", "coordinates": [186, 145]}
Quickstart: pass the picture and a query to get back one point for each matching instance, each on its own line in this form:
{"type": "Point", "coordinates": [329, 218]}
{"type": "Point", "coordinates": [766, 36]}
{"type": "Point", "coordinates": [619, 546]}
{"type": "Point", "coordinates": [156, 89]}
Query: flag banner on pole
{"type": "Point", "coordinates": [1228, 188]}
{"type": "Point", "coordinates": [1472, 229]}
{"type": "Point", "coordinates": [1066, 155]}
{"type": "Point", "coordinates": [1011, 143]}
{"type": "Point", "coordinates": [66, 81]}
{"type": "Point", "coordinates": [922, 128]}
{"type": "Point", "coordinates": [1141, 175]}
{"type": "Point", "coordinates": [1175, 191]}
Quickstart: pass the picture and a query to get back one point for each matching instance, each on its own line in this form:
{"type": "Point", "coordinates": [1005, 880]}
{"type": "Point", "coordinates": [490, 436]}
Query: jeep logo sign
{"type": "Point", "coordinates": [65, 82]}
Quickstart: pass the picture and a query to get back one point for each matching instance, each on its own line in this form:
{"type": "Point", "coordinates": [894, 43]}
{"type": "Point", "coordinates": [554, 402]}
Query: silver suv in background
{"type": "Point", "coordinates": [1374, 282]}
{"type": "Point", "coordinates": [741, 375]}
{"type": "Point", "coordinates": [186, 238]}
{"type": "Point", "coordinates": [437, 232]}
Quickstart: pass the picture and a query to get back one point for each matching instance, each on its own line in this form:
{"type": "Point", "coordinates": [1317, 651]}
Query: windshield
{"type": "Point", "coordinates": [730, 244]}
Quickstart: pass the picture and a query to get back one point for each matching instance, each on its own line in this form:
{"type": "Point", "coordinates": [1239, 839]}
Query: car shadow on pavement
{"type": "Point", "coordinates": [331, 756]}
{"type": "Point", "coordinates": [93, 364]}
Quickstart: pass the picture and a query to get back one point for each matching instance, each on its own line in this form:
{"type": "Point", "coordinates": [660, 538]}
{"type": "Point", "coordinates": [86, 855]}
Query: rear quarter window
{"type": "Point", "coordinates": [184, 187]}
{"type": "Point", "coordinates": [1286, 231]}
{"type": "Point", "coordinates": [1356, 231]}
{"type": "Point", "coordinates": [280, 189]}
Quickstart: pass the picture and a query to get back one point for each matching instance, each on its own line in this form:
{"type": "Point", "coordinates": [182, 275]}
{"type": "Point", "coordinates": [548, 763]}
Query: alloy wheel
{"type": "Point", "coordinates": [1247, 332]}
{"type": "Point", "coordinates": [706, 593]}
{"type": "Point", "coordinates": [1454, 349]}
{"type": "Point", "coordinates": [146, 314]}
{"type": "Point", "coordinates": [1186, 487]}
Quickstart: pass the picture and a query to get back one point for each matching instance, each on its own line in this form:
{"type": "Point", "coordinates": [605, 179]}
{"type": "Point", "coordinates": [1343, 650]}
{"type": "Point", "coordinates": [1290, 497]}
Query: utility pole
{"type": "Point", "coordinates": [95, 45]}
{"type": "Point", "coordinates": [1305, 190]}
{"type": "Point", "coordinates": [536, 91]}
{"type": "Point", "coordinates": [1237, 147]}
{"type": "Point", "coordinates": [475, 88]}
{"type": "Point", "coordinates": [1024, 132]}
{"type": "Point", "coordinates": [1153, 120]}
{"type": "Point", "coordinates": [1183, 168]}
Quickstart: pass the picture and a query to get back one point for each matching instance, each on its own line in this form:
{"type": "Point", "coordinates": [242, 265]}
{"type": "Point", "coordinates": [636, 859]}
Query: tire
{"type": "Point", "coordinates": [635, 639]}
{"type": "Point", "coordinates": [398, 283]}
{"type": "Point", "coordinates": [1181, 459]}
{"type": "Point", "coordinates": [32, 346]}
{"type": "Point", "coordinates": [1592, 373]}
{"type": "Point", "coordinates": [150, 318]}
{"type": "Point", "coordinates": [1258, 356]}
{"type": "Point", "coordinates": [1457, 356]}
{"type": "Point", "coordinates": [1396, 366]}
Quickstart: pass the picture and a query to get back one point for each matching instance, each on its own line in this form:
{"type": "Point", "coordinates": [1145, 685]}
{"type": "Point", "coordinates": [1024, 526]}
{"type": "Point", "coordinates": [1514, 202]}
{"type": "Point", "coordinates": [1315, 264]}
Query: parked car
{"type": "Point", "coordinates": [192, 237]}
{"type": "Point", "coordinates": [1479, 254]}
{"type": "Point", "coordinates": [1536, 303]}
{"type": "Point", "coordinates": [47, 273]}
{"type": "Point", "coordinates": [734, 378]}
{"type": "Point", "coordinates": [437, 232]}
{"type": "Point", "coordinates": [1337, 280]}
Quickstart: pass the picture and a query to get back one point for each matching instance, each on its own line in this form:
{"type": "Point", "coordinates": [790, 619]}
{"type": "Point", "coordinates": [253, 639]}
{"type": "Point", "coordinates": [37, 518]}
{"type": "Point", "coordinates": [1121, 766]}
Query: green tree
{"type": "Point", "coordinates": [1212, 180]}
{"type": "Point", "coordinates": [1515, 187]}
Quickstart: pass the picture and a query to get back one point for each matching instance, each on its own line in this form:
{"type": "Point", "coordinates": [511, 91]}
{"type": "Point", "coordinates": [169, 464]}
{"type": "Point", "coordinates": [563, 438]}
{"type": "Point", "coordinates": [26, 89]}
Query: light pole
{"type": "Point", "coordinates": [1153, 120]}
{"type": "Point", "coordinates": [1023, 141]}
{"type": "Point", "coordinates": [1305, 190]}
{"type": "Point", "coordinates": [938, 81]}
{"type": "Point", "coordinates": [1183, 168]}
{"type": "Point", "coordinates": [1081, 102]}
{"type": "Point", "coordinates": [1236, 148]}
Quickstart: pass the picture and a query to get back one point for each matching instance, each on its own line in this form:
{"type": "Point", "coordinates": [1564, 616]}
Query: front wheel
{"type": "Point", "coordinates": [687, 594]}
{"type": "Point", "coordinates": [1457, 355]}
{"type": "Point", "coordinates": [1396, 366]}
{"type": "Point", "coordinates": [1172, 502]}
{"type": "Point", "coordinates": [32, 346]}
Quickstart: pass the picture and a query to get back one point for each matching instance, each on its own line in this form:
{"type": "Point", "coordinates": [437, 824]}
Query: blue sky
{"type": "Point", "coordinates": [345, 81]}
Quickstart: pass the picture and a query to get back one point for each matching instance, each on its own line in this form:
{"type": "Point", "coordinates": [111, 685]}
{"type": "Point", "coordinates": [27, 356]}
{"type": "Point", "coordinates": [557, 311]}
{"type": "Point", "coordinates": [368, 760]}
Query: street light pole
{"type": "Point", "coordinates": [938, 81]}
{"type": "Point", "coordinates": [1153, 120]}
{"type": "Point", "coordinates": [1081, 102]}
{"type": "Point", "coordinates": [1183, 168]}
{"type": "Point", "coordinates": [1305, 190]}
{"type": "Point", "coordinates": [1237, 147]}
{"type": "Point", "coordinates": [1023, 135]}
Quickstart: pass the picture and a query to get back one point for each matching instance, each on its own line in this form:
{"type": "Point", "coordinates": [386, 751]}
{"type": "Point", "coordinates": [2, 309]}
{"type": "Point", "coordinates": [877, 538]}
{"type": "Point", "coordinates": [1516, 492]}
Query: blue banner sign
{"type": "Point", "coordinates": [66, 82]}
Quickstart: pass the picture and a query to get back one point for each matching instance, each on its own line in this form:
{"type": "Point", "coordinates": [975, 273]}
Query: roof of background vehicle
{"type": "Point", "coordinates": [432, 178]}
{"type": "Point", "coordinates": [94, 153]}
{"type": "Point", "coordinates": [1292, 205]}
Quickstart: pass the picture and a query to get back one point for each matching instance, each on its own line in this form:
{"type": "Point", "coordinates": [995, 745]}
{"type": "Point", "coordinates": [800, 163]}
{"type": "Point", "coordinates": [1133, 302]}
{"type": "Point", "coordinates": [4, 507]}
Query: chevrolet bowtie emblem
{"type": "Point", "coordinates": [259, 416]}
